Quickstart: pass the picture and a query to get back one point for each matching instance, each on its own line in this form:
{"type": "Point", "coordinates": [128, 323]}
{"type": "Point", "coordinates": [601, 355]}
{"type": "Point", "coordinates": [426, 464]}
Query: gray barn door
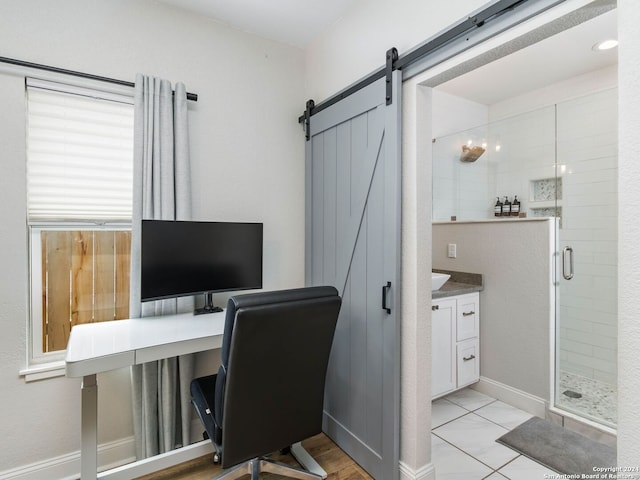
{"type": "Point", "coordinates": [353, 243]}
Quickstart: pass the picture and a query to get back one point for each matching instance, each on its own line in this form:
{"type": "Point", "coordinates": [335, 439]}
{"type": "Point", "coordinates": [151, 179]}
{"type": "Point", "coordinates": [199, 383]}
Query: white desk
{"type": "Point", "coordinates": [104, 346]}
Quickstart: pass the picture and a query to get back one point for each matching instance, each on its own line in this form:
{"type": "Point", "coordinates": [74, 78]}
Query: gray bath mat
{"type": "Point", "coordinates": [558, 448]}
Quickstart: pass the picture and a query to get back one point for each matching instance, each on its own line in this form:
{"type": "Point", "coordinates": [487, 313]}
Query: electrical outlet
{"type": "Point", "coordinates": [452, 250]}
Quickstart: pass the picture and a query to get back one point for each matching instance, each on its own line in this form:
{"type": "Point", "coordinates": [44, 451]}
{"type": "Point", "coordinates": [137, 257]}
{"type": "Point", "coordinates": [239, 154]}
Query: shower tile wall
{"type": "Point", "coordinates": [587, 163]}
{"type": "Point", "coordinates": [527, 155]}
{"type": "Point", "coordinates": [587, 159]}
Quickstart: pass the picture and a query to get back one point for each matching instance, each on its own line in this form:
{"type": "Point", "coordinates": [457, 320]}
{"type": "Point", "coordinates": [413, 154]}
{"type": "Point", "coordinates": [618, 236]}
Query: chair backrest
{"type": "Point", "coordinates": [275, 353]}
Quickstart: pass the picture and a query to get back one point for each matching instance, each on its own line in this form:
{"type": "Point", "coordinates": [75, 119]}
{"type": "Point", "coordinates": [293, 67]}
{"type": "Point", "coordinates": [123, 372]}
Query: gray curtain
{"type": "Point", "coordinates": [161, 191]}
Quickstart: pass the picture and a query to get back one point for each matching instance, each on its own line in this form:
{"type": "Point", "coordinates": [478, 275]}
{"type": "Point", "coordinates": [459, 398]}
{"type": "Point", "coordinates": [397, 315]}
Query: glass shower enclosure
{"type": "Point", "coordinates": [560, 161]}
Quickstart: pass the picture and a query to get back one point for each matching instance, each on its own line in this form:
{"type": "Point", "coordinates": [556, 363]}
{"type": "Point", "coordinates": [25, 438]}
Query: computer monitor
{"type": "Point", "coordinates": [180, 258]}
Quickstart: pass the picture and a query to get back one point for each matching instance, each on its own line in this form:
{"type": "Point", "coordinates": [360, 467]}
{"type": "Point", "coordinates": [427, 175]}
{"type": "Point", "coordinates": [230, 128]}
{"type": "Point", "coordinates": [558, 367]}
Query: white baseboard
{"type": "Point", "coordinates": [426, 472]}
{"type": "Point", "coordinates": [67, 467]}
{"type": "Point", "coordinates": [517, 398]}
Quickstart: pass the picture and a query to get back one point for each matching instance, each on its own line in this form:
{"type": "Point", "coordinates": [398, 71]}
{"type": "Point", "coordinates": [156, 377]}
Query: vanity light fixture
{"type": "Point", "coordinates": [471, 154]}
{"type": "Point", "coordinates": [605, 45]}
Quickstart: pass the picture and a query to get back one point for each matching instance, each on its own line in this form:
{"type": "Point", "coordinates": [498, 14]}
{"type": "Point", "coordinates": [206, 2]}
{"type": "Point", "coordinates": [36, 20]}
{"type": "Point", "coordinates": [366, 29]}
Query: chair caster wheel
{"type": "Point", "coordinates": [216, 458]}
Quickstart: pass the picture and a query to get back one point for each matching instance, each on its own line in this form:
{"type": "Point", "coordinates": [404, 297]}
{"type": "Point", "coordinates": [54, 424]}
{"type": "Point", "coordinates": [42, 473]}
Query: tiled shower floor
{"type": "Point", "coordinates": [598, 401]}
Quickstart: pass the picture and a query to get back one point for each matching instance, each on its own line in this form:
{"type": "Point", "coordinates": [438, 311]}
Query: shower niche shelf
{"type": "Point", "coordinates": [545, 189]}
{"type": "Point", "coordinates": [545, 198]}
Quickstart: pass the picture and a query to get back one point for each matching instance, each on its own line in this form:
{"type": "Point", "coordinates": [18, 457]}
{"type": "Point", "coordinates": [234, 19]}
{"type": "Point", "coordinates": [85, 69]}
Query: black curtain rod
{"type": "Point", "coordinates": [22, 63]}
{"type": "Point", "coordinates": [464, 27]}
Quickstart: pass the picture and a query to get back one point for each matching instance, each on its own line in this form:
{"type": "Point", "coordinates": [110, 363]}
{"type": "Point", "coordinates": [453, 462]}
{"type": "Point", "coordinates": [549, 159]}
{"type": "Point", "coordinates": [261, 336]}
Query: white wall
{"type": "Point", "coordinates": [356, 44]}
{"type": "Point", "coordinates": [629, 233]}
{"type": "Point", "coordinates": [415, 362]}
{"type": "Point", "coordinates": [247, 164]}
{"type": "Point", "coordinates": [455, 114]}
{"type": "Point", "coordinates": [551, 94]}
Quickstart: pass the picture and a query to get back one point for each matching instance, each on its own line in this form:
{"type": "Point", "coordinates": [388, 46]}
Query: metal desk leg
{"type": "Point", "coordinates": [89, 429]}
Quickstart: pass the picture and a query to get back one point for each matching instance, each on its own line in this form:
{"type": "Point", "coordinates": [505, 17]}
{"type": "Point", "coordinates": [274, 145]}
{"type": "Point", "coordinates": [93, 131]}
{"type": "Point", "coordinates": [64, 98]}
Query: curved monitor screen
{"type": "Point", "coordinates": [181, 258]}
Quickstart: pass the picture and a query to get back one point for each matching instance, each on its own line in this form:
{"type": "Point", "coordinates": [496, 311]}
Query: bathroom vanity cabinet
{"type": "Point", "coordinates": [455, 342]}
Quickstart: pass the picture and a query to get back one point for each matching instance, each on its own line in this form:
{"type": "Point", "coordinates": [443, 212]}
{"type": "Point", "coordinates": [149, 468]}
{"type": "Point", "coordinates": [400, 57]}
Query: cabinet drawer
{"type": "Point", "coordinates": [468, 362]}
{"type": "Point", "coordinates": [468, 317]}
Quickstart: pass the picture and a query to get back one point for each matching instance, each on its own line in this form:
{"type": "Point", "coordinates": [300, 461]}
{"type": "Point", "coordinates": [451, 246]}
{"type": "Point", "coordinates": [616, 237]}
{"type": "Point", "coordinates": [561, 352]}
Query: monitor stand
{"type": "Point", "coordinates": [209, 307]}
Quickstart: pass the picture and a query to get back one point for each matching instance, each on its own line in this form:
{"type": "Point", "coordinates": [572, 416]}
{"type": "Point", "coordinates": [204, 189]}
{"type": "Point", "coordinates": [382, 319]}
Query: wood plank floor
{"type": "Point", "coordinates": [337, 464]}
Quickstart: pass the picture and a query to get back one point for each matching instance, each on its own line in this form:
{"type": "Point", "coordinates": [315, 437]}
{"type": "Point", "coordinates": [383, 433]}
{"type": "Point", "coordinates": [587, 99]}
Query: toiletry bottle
{"type": "Point", "coordinates": [497, 209]}
{"type": "Point", "coordinates": [506, 207]}
{"type": "Point", "coordinates": [515, 207]}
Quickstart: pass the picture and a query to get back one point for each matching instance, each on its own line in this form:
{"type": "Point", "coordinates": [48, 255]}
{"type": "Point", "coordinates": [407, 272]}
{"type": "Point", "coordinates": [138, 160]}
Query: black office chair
{"type": "Point", "coordinates": [269, 390]}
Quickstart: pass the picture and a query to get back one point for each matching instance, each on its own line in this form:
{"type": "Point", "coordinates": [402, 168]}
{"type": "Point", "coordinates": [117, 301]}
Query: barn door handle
{"type": "Point", "coordinates": [385, 291]}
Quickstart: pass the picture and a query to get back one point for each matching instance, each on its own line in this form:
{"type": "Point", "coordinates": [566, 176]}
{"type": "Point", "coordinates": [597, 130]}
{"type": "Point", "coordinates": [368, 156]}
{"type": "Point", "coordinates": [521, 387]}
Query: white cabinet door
{"type": "Point", "coordinates": [455, 343]}
{"type": "Point", "coordinates": [443, 318]}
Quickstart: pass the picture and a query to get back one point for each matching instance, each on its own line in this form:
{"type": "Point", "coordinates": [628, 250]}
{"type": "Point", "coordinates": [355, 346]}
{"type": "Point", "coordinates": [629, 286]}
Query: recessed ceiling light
{"type": "Point", "coordinates": [605, 45]}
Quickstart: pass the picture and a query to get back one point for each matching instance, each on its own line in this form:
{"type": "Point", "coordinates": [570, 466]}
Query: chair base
{"type": "Point", "coordinates": [310, 470]}
{"type": "Point", "coordinates": [257, 465]}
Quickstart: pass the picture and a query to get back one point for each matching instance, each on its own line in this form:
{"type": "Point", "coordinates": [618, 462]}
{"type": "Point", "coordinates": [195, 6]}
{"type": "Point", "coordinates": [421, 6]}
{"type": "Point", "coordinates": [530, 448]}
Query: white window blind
{"type": "Point", "coordinates": [79, 154]}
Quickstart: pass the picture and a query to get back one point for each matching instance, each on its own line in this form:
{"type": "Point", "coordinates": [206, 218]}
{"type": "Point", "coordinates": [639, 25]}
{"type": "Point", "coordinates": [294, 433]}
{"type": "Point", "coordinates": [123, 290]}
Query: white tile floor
{"type": "Point", "coordinates": [465, 426]}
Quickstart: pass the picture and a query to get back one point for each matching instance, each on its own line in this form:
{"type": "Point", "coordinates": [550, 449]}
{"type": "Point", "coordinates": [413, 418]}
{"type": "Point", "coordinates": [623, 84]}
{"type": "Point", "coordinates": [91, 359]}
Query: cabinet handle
{"type": "Point", "coordinates": [435, 307]}
{"type": "Point", "coordinates": [466, 314]}
{"type": "Point", "coordinates": [470, 357]}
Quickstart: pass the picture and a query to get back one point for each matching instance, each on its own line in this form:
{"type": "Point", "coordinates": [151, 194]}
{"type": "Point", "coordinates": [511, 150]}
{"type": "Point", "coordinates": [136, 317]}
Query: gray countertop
{"type": "Point", "coordinates": [459, 284]}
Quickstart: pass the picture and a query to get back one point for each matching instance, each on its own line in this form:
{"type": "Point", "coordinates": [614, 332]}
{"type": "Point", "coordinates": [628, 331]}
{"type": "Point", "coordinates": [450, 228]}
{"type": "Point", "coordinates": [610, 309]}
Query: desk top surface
{"type": "Point", "coordinates": [102, 346]}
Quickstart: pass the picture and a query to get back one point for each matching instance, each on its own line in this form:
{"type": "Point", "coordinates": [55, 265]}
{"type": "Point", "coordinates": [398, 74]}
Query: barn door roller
{"type": "Point", "coordinates": [392, 58]}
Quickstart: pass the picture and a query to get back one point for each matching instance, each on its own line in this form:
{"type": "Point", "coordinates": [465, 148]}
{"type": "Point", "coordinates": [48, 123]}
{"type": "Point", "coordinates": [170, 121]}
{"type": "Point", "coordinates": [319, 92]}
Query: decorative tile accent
{"type": "Point", "coordinates": [547, 212]}
{"type": "Point", "coordinates": [546, 189]}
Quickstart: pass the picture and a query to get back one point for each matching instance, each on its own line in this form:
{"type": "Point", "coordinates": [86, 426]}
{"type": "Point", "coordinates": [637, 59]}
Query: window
{"type": "Point", "coordinates": [79, 203]}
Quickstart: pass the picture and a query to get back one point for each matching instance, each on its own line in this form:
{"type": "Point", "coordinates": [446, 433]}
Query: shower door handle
{"type": "Point", "coordinates": [567, 252]}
